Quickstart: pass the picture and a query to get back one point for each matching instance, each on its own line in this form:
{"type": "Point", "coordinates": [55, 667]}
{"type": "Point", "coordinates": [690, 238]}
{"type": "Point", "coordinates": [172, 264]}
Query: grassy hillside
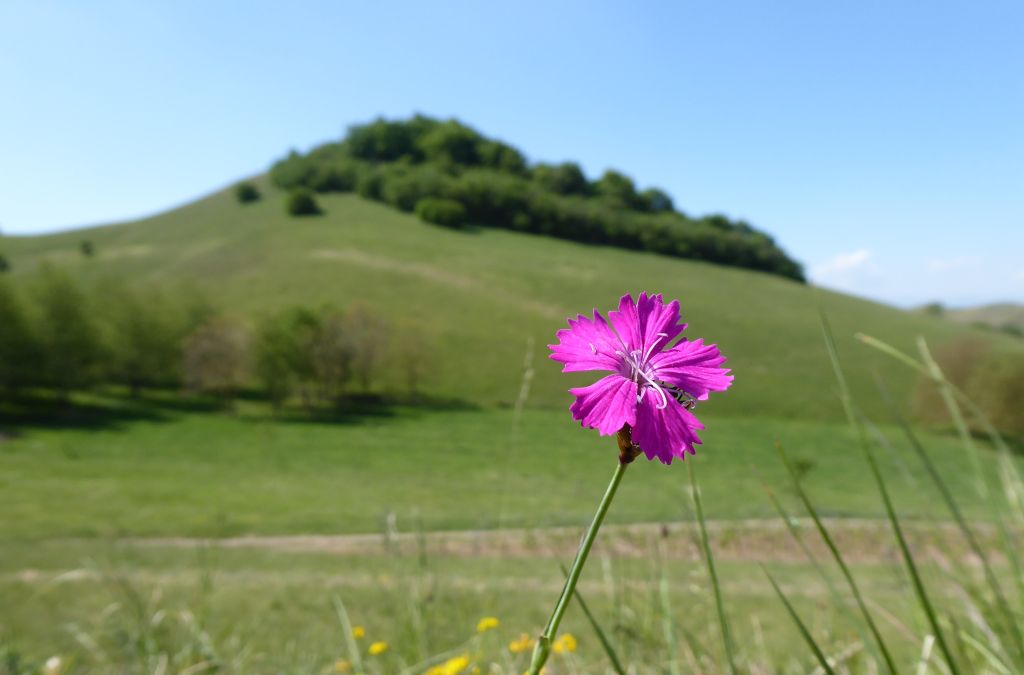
{"type": "Point", "coordinates": [1004, 315]}
{"type": "Point", "coordinates": [480, 297]}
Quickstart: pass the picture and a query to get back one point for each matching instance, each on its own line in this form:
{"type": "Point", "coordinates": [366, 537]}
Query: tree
{"type": "Point", "coordinates": [331, 355]}
{"type": "Point", "coordinates": [367, 334]}
{"type": "Point", "coordinates": [215, 358]}
{"type": "Point", "coordinates": [67, 333]}
{"type": "Point", "coordinates": [617, 187]}
{"type": "Point", "coordinates": [145, 334]}
{"type": "Point", "coordinates": [19, 355]}
{"type": "Point", "coordinates": [656, 201]}
{"type": "Point", "coordinates": [451, 142]}
{"type": "Point", "coordinates": [280, 355]}
{"type": "Point", "coordinates": [410, 352]}
{"type": "Point", "coordinates": [87, 249]}
{"type": "Point", "coordinates": [566, 178]}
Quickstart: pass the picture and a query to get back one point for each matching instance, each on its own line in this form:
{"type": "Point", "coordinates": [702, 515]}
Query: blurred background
{"type": "Point", "coordinates": [276, 285]}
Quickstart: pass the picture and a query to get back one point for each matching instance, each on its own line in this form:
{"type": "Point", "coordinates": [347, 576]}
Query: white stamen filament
{"type": "Point", "coordinates": [638, 371]}
{"type": "Point", "coordinates": [652, 346]}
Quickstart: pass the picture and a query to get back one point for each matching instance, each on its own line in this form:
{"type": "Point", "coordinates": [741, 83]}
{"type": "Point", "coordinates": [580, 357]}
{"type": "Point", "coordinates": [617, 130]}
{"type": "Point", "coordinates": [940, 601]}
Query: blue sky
{"type": "Point", "coordinates": [881, 143]}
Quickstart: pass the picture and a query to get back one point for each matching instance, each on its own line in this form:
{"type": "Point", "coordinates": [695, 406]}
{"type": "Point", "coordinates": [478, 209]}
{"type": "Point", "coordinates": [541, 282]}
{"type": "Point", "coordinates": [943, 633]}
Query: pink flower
{"type": "Point", "coordinates": [653, 387]}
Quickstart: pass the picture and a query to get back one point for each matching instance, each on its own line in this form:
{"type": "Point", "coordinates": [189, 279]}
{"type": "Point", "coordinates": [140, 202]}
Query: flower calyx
{"type": "Point", "coordinates": [628, 450]}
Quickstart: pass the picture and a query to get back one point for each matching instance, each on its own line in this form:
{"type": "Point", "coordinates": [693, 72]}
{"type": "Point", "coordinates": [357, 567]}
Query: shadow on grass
{"type": "Point", "coordinates": [112, 409]}
{"type": "Point", "coordinates": [358, 408]}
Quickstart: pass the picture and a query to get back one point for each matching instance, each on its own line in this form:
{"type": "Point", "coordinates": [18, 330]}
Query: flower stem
{"type": "Point", "coordinates": [543, 649]}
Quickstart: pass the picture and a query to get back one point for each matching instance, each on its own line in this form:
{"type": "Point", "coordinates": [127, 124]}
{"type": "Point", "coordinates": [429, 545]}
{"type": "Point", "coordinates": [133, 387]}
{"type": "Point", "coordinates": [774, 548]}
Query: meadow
{"type": "Point", "coordinates": [166, 534]}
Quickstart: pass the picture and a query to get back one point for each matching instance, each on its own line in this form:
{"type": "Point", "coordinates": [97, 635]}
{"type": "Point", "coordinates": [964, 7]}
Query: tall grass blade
{"type": "Point", "coordinates": [1009, 621]}
{"type": "Point", "coordinates": [666, 625]}
{"type": "Point", "coordinates": [350, 640]}
{"type": "Point", "coordinates": [602, 637]}
{"type": "Point", "coordinates": [834, 550]}
{"type": "Point", "coordinates": [993, 661]}
{"type": "Point", "coordinates": [857, 425]}
{"type": "Point", "coordinates": [723, 620]}
{"type": "Point", "coordinates": [954, 397]}
{"type": "Point", "coordinates": [837, 597]}
{"type": "Point", "coordinates": [818, 653]}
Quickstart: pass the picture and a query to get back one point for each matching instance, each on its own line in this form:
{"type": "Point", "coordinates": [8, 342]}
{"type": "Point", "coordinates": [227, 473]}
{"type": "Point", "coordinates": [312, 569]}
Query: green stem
{"type": "Point", "coordinates": [543, 649]}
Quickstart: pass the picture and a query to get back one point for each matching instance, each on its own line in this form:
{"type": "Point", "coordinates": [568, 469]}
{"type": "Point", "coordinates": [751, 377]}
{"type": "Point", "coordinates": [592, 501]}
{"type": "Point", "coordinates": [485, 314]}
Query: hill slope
{"type": "Point", "coordinates": [479, 297]}
{"type": "Point", "coordinates": [1004, 316]}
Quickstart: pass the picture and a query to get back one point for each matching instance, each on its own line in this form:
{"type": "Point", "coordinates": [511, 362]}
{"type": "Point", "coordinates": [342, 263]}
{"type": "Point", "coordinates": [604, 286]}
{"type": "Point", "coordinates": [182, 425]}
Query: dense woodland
{"type": "Point", "coordinates": [451, 175]}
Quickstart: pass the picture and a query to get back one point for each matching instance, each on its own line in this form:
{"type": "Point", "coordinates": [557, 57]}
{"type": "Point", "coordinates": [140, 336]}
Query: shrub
{"type": "Point", "coordinates": [302, 202]}
{"type": "Point", "coordinates": [86, 248]}
{"type": "Point", "coordinates": [998, 388]}
{"type": "Point", "coordinates": [246, 192]}
{"type": "Point", "coordinates": [445, 212]}
{"type": "Point", "coordinates": [5, 264]}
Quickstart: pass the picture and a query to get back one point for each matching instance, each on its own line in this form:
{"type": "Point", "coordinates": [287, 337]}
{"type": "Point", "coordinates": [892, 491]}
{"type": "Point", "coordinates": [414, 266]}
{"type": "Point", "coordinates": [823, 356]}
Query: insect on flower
{"type": "Point", "coordinates": [649, 397]}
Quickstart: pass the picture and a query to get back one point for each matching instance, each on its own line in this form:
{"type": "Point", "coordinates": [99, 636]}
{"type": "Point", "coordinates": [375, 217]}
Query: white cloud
{"type": "Point", "coordinates": [842, 263]}
{"type": "Point", "coordinates": [948, 264]}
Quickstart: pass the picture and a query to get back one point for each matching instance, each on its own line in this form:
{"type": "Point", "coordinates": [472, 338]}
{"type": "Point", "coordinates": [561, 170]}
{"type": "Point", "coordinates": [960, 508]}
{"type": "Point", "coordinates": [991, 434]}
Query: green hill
{"type": "Point", "coordinates": [479, 297]}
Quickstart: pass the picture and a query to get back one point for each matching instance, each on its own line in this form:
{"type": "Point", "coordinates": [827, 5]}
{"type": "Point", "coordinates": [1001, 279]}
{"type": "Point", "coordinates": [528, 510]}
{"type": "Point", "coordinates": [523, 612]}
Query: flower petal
{"type": "Point", "coordinates": [587, 344]}
{"type": "Point", "coordinates": [647, 325]}
{"type": "Point", "coordinates": [693, 366]}
{"type": "Point", "coordinates": [665, 433]}
{"type": "Point", "coordinates": [606, 405]}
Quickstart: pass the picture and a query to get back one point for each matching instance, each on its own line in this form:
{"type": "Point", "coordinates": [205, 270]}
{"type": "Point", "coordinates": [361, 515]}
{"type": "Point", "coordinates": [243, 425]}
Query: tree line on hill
{"type": "Point", "coordinates": [451, 175]}
{"type": "Point", "coordinates": [60, 336]}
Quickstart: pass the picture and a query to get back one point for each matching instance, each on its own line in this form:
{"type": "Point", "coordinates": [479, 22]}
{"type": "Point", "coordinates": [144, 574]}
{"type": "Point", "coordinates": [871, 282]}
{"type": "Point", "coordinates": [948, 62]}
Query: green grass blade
{"type": "Point", "coordinates": [723, 620]}
{"type": "Point", "coordinates": [837, 597]}
{"type": "Point", "coordinates": [908, 559]}
{"type": "Point", "coordinates": [834, 550]}
{"type": "Point", "coordinates": [666, 625]}
{"type": "Point", "coordinates": [1009, 621]}
{"type": "Point", "coordinates": [993, 661]}
{"type": "Point", "coordinates": [858, 427]}
{"type": "Point", "coordinates": [818, 653]}
{"type": "Point", "coordinates": [602, 637]}
{"type": "Point", "coordinates": [350, 640]}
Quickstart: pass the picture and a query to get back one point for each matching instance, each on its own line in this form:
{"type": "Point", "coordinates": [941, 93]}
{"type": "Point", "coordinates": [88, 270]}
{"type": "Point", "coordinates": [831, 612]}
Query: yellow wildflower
{"type": "Point", "coordinates": [565, 643]}
{"type": "Point", "coordinates": [475, 671]}
{"type": "Point", "coordinates": [342, 666]}
{"type": "Point", "coordinates": [521, 645]}
{"type": "Point", "coordinates": [358, 632]}
{"type": "Point", "coordinates": [487, 623]}
{"type": "Point", "coordinates": [378, 648]}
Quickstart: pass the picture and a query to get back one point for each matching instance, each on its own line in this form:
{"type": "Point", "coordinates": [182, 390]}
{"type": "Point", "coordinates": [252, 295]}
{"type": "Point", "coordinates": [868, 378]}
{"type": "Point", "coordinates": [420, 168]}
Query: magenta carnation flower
{"type": "Point", "coordinates": [653, 387]}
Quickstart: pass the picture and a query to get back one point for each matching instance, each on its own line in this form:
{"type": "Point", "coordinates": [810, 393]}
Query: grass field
{"type": "Point", "coordinates": [118, 516]}
{"type": "Point", "coordinates": [203, 474]}
{"type": "Point", "coordinates": [98, 556]}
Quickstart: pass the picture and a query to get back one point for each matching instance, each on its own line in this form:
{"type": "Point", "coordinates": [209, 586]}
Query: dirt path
{"type": "Point", "coordinates": [860, 540]}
